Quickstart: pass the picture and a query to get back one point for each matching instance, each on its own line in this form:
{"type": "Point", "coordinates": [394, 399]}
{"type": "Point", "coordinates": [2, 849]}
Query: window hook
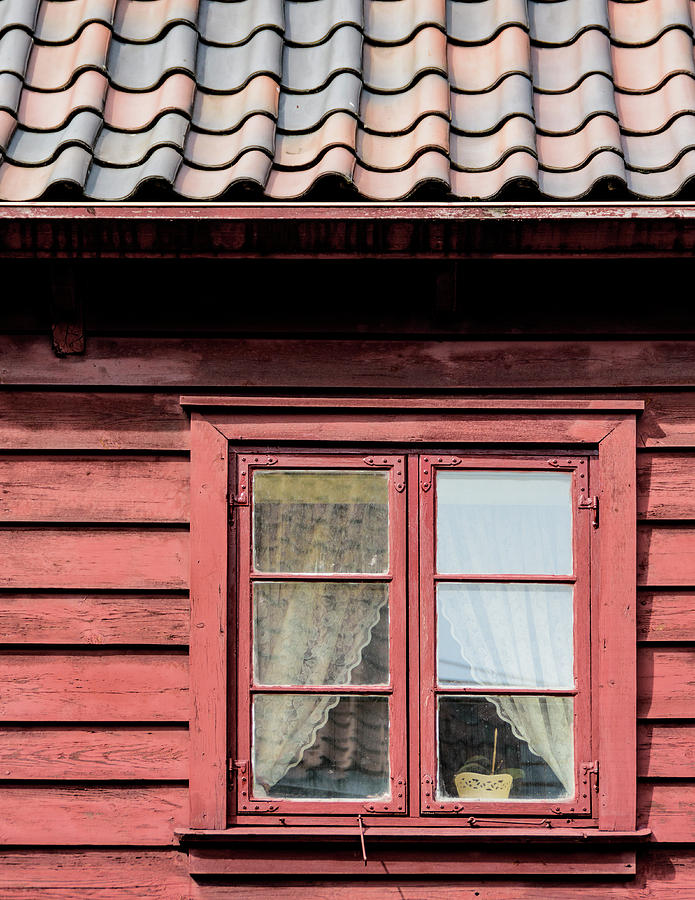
{"type": "Point", "coordinates": [364, 849]}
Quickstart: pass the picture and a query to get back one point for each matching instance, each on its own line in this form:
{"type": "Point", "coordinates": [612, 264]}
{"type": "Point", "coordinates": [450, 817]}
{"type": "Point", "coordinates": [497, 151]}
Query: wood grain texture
{"type": "Point", "coordinates": [666, 555]}
{"type": "Point", "coordinates": [668, 808]}
{"type": "Point", "coordinates": [665, 751]}
{"type": "Point", "coordinates": [94, 753]}
{"type": "Point", "coordinates": [93, 489]}
{"type": "Point", "coordinates": [438, 859]}
{"type": "Point", "coordinates": [664, 486]}
{"type": "Point", "coordinates": [89, 686]}
{"type": "Point", "coordinates": [91, 815]}
{"type": "Point", "coordinates": [32, 420]}
{"type": "Point", "coordinates": [615, 656]}
{"type": "Point", "coordinates": [666, 682]}
{"type": "Point", "coordinates": [94, 874]}
{"type": "Point", "coordinates": [209, 555]}
{"type": "Point", "coordinates": [93, 558]}
{"type": "Point", "coordinates": [661, 873]}
{"type": "Point", "coordinates": [94, 618]}
{"type": "Point", "coordinates": [666, 615]}
{"type": "Point", "coordinates": [352, 364]}
{"type": "Point", "coordinates": [668, 420]}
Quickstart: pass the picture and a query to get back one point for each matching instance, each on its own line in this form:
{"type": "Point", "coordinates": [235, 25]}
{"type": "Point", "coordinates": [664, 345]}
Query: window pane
{"type": "Point", "coordinates": [321, 633]}
{"type": "Point", "coordinates": [325, 521]}
{"type": "Point", "coordinates": [496, 748]}
{"type": "Point", "coordinates": [320, 747]}
{"type": "Point", "coordinates": [510, 635]}
{"type": "Point", "coordinates": [499, 523]}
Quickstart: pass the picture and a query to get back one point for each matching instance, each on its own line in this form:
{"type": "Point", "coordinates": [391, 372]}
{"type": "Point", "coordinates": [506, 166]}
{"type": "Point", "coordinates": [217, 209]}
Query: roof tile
{"type": "Point", "coordinates": [654, 17]}
{"type": "Point", "coordinates": [208, 184]}
{"type": "Point", "coordinates": [60, 21]}
{"type": "Point", "coordinates": [228, 69]}
{"type": "Point", "coordinates": [395, 68]}
{"type": "Point", "coordinates": [314, 22]}
{"type": "Point", "coordinates": [122, 148]}
{"type": "Point", "coordinates": [18, 14]}
{"type": "Point", "coordinates": [301, 150]}
{"type": "Point", "coordinates": [46, 110]}
{"type": "Point", "coordinates": [141, 67]}
{"type": "Point", "coordinates": [214, 151]}
{"type": "Point", "coordinates": [646, 68]}
{"type": "Point", "coordinates": [479, 67]}
{"type": "Point", "coordinates": [386, 95]}
{"type": "Point", "coordinates": [480, 152]}
{"type": "Point", "coordinates": [396, 113]}
{"type": "Point", "coordinates": [395, 23]}
{"type": "Point", "coordinates": [228, 24]}
{"type": "Point", "coordinates": [484, 185]}
{"type": "Point", "coordinates": [392, 152]}
{"type": "Point", "coordinates": [225, 112]}
{"type": "Point", "coordinates": [52, 67]}
{"type": "Point", "coordinates": [309, 68]}
{"type": "Point", "coordinates": [563, 21]}
{"type": "Point", "coordinates": [127, 111]}
{"type": "Point", "coordinates": [479, 23]}
{"type": "Point", "coordinates": [107, 183]}
{"type": "Point", "coordinates": [29, 148]}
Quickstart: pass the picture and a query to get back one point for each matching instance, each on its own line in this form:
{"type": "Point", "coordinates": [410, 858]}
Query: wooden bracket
{"type": "Point", "coordinates": [67, 314]}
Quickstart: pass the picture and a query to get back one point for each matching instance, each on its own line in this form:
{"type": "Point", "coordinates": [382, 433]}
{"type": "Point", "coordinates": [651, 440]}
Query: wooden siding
{"type": "Point", "coordinates": [94, 624]}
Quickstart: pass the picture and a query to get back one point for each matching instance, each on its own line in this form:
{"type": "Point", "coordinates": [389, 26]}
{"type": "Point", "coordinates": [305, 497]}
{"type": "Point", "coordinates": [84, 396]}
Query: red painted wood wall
{"type": "Point", "coordinates": [94, 508]}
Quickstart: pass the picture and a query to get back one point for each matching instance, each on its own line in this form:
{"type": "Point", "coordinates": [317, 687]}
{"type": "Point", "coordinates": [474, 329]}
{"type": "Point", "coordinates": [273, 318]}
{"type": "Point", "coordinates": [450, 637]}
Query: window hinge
{"type": "Point", "coordinates": [590, 768]}
{"type": "Point", "coordinates": [590, 503]}
{"type": "Point", "coordinates": [235, 500]}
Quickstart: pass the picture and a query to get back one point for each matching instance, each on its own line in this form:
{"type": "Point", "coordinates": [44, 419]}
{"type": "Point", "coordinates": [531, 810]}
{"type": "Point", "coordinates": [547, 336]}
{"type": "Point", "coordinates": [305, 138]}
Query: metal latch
{"type": "Point", "coordinates": [590, 503]}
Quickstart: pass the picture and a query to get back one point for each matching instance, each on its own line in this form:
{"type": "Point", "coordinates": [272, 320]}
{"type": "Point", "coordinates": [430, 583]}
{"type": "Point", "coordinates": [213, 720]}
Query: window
{"type": "Point", "coordinates": [430, 632]}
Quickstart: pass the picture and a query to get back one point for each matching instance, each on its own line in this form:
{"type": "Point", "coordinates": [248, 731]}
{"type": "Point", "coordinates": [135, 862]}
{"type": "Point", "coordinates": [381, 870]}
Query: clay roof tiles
{"type": "Point", "coordinates": [202, 97]}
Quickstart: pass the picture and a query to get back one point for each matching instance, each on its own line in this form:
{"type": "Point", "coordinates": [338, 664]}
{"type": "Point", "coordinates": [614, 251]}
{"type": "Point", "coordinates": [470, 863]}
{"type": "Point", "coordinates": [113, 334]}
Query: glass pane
{"type": "Point", "coordinates": [510, 635]}
{"type": "Point", "coordinates": [504, 523]}
{"type": "Point", "coordinates": [321, 633]}
{"type": "Point", "coordinates": [498, 748]}
{"type": "Point", "coordinates": [320, 747]}
{"type": "Point", "coordinates": [320, 521]}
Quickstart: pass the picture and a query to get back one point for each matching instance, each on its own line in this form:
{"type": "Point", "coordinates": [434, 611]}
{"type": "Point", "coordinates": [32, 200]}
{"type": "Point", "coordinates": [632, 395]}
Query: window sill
{"type": "Point", "coordinates": [444, 851]}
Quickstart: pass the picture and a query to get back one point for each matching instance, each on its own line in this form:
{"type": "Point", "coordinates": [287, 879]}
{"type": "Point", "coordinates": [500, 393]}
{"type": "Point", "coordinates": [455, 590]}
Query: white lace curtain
{"type": "Point", "coordinates": [518, 635]}
{"type": "Point", "coordinates": [305, 634]}
{"type": "Point", "coordinates": [311, 632]}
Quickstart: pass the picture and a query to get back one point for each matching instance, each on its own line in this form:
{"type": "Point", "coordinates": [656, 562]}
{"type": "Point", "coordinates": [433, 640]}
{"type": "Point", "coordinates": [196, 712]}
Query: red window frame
{"type": "Point", "coordinates": [580, 804]}
{"type": "Point", "coordinates": [606, 429]}
{"type": "Point", "coordinates": [395, 690]}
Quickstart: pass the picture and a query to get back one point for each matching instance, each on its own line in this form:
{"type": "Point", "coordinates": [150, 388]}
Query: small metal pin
{"type": "Point", "coordinates": [364, 849]}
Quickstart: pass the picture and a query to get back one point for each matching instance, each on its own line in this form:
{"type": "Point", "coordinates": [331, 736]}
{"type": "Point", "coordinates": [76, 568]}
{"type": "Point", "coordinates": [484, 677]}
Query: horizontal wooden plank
{"type": "Point", "coordinates": [666, 682]}
{"type": "Point", "coordinates": [91, 815]}
{"type": "Point", "coordinates": [95, 753]}
{"type": "Point", "coordinates": [94, 618]}
{"type": "Point", "coordinates": [665, 751]}
{"type": "Point", "coordinates": [387, 364]}
{"type": "Point", "coordinates": [666, 555]}
{"type": "Point", "coordinates": [665, 615]}
{"type": "Point", "coordinates": [668, 420]}
{"type": "Point", "coordinates": [96, 874]}
{"type": "Point", "coordinates": [668, 808]}
{"type": "Point", "coordinates": [89, 686]}
{"type": "Point", "coordinates": [35, 420]}
{"type": "Point", "coordinates": [360, 230]}
{"type": "Point", "coordinates": [664, 485]}
{"type": "Point", "coordinates": [661, 873]}
{"type": "Point", "coordinates": [425, 858]}
{"type": "Point", "coordinates": [93, 557]}
{"type": "Point", "coordinates": [94, 489]}
{"type": "Point", "coordinates": [92, 873]}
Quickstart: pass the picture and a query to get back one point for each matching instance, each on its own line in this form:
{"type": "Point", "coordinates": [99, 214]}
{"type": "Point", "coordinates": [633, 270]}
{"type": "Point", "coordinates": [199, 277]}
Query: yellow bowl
{"type": "Point", "coordinates": [483, 787]}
